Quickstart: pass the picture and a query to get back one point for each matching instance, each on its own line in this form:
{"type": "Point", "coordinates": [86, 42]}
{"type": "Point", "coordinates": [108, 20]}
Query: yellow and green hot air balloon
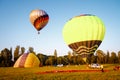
{"type": "Point", "coordinates": [84, 33]}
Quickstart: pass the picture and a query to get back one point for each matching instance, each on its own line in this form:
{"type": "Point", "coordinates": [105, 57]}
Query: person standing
{"type": "Point", "coordinates": [102, 68]}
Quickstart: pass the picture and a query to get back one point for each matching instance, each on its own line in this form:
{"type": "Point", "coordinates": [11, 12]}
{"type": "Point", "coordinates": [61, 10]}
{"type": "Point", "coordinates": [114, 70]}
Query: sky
{"type": "Point", "coordinates": [16, 29]}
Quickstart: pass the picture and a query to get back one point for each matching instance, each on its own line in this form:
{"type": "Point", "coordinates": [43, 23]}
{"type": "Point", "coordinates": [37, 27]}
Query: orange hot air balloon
{"type": "Point", "coordinates": [39, 19]}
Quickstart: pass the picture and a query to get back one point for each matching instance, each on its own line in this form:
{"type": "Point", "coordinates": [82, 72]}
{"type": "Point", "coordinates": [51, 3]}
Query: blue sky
{"type": "Point", "coordinates": [16, 29]}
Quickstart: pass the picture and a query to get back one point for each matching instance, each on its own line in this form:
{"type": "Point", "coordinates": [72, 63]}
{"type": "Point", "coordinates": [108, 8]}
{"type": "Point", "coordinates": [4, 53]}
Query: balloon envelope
{"type": "Point", "coordinates": [39, 19]}
{"type": "Point", "coordinates": [27, 60]}
{"type": "Point", "coordinates": [84, 33]}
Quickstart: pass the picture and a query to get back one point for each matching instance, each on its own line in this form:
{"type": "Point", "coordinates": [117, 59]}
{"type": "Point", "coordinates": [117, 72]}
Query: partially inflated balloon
{"type": "Point", "coordinates": [27, 60]}
{"type": "Point", "coordinates": [84, 33]}
{"type": "Point", "coordinates": [39, 19]}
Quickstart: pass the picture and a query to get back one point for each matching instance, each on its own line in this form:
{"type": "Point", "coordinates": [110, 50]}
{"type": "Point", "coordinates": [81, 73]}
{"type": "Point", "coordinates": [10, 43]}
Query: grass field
{"type": "Point", "coordinates": [10, 73]}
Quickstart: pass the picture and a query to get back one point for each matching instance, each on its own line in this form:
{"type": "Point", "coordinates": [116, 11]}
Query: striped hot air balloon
{"type": "Point", "coordinates": [39, 19]}
{"type": "Point", "coordinates": [84, 33]}
{"type": "Point", "coordinates": [27, 60]}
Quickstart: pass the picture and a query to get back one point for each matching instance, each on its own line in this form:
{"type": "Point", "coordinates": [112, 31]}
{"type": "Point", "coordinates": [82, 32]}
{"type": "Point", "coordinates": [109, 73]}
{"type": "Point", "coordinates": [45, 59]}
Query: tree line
{"type": "Point", "coordinates": [7, 59]}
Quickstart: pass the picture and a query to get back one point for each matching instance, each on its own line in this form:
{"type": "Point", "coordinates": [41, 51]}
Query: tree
{"type": "Point", "coordinates": [65, 60]}
{"type": "Point", "coordinates": [31, 50]}
{"type": "Point", "coordinates": [22, 50]}
{"type": "Point", "coordinates": [89, 58]}
{"type": "Point", "coordinates": [69, 57]}
{"type": "Point", "coordinates": [113, 58]}
{"type": "Point", "coordinates": [42, 58]}
{"type": "Point", "coordinates": [49, 61]}
{"type": "Point", "coordinates": [79, 60]}
{"type": "Point", "coordinates": [55, 57]}
{"type": "Point", "coordinates": [74, 60]}
{"type": "Point", "coordinates": [93, 59]}
{"type": "Point", "coordinates": [55, 53]}
{"type": "Point", "coordinates": [107, 57]}
{"type": "Point", "coordinates": [1, 59]}
{"type": "Point", "coordinates": [119, 57]}
{"type": "Point", "coordinates": [11, 52]}
{"type": "Point", "coordinates": [16, 53]}
{"type": "Point", "coordinates": [6, 57]}
{"type": "Point", "coordinates": [59, 60]}
{"type": "Point", "coordinates": [100, 56]}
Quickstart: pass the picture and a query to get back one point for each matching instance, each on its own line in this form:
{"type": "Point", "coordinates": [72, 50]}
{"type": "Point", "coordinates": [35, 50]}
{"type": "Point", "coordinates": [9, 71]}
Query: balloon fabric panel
{"type": "Point", "coordinates": [23, 59]}
{"type": "Point", "coordinates": [87, 27]}
{"type": "Point", "coordinates": [17, 62]}
{"type": "Point", "coordinates": [41, 22]}
{"type": "Point", "coordinates": [32, 61]}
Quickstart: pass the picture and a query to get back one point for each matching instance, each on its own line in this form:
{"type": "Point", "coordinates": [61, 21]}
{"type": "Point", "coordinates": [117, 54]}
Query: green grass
{"type": "Point", "coordinates": [11, 73]}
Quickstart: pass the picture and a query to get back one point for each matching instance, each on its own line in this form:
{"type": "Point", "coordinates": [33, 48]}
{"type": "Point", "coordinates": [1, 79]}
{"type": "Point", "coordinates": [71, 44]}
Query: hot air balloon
{"type": "Point", "coordinates": [39, 19]}
{"type": "Point", "coordinates": [84, 34]}
{"type": "Point", "coordinates": [27, 60]}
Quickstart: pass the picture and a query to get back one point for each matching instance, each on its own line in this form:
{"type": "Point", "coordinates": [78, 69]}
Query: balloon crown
{"type": "Point", "coordinates": [87, 15]}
